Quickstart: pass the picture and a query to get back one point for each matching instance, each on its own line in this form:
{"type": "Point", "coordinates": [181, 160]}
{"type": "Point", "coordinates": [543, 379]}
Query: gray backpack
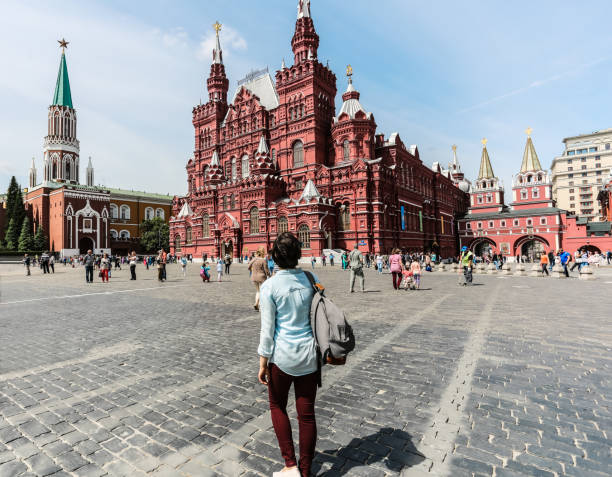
{"type": "Point", "coordinates": [332, 333]}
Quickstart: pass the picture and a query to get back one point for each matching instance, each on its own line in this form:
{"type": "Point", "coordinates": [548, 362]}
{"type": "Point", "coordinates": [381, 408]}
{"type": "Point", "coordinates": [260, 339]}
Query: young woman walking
{"type": "Point", "coordinates": [395, 267]}
{"type": "Point", "coordinates": [287, 354]}
{"type": "Point", "coordinates": [104, 267]}
{"type": "Point", "coordinates": [133, 259]}
{"type": "Point", "coordinates": [258, 267]}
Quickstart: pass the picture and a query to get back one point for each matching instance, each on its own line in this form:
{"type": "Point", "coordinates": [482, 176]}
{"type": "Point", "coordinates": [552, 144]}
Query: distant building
{"type": "Point", "coordinates": [280, 157]}
{"type": "Point", "coordinates": [78, 217]}
{"type": "Point", "coordinates": [532, 223]}
{"type": "Point", "coordinates": [579, 173]}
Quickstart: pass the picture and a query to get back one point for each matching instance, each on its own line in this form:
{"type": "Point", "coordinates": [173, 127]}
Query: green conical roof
{"type": "Point", "coordinates": [62, 96]}
{"type": "Point", "coordinates": [486, 170]}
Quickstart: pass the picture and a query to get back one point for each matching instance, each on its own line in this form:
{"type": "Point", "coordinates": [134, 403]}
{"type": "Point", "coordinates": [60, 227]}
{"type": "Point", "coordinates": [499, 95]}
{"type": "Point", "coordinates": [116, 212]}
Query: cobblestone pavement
{"type": "Point", "coordinates": [507, 378]}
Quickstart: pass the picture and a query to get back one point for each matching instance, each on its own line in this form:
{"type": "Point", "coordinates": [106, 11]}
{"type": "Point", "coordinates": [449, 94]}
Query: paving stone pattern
{"type": "Point", "coordinates": [508, 378]}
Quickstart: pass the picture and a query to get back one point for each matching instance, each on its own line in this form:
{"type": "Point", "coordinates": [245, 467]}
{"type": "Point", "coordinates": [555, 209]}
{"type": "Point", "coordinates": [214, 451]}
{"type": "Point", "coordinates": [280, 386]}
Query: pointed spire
{"type": "Point", "coordinates": [215, 171]}
{"type": "Point", "coordinates": [283, 65]}
{"type": "Point", "coordinates": [215, 159]}
{"type": "Point", "coordinates": [263, 162]}
{"type": "Point", "coordinates": [456, 167]}
{"type": "Point", "coordinates": [303, 8]}
{"type": "Point", "coordinates": [486, 170]}
{"type": "Point", "coordinates": [217, 52]}
{"type": "Point", "coordinates": [90, 173]}
{"type": "Point", "coordinates": [62, 96]}
{"type": "Point", "coordinates": [530, 157]}
{"type": "Point", "coordinates": [185, 211]}
{"type": "Point", "coordinates": [33, 174]}
{"type": "Point", "coordinates": [310, 191]}
{"type": "Point", "coordinates": [263, 146]}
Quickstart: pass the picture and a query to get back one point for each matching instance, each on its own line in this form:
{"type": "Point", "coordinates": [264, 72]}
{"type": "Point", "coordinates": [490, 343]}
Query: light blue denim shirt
{"type": "Point", "coordinates": [286, 335]}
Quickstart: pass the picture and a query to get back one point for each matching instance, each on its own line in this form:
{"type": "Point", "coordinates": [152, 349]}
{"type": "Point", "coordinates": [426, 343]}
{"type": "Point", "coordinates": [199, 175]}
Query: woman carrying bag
{"type": "Point", "coordinates": [287, 351]}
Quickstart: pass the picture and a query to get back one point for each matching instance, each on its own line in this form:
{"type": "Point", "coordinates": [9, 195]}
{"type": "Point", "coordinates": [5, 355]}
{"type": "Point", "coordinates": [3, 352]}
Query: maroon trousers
{"type": "Point", "coordinates": [397, 279]}
{"type": "Point", "coordinates": [305, 393]}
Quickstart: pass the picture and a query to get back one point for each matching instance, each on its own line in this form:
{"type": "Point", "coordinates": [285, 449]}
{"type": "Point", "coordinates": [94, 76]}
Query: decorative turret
{"type": "Point", "coordinates": [61, 147]}
{"type": "Point", "coordinates": [263, 163]}
{"type": "Point", "coordinates": [33, 181]}
{"type": "Point", "coordinates": [532, 186]}
{"type": "Point", "coordinates": [305, 42]}
{"type": "Point", "coordinates": [487, 194]}
{"type": "Point", "coordinates": [486, 170]}
{"type": "Point", "coordinates": [456, 174]}
{"type": "Point", "coordinates": [530, 163]}
{"type": "Point", "coordinates": [353, 129]}
{"type": "Point", "coordinates": [215, 171]}
{"type": "Point", "coordinates": [217, 82]}
{"type": "Point", "coordinates": [90, 173]}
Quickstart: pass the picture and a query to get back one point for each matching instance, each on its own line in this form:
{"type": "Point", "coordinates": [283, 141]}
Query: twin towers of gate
{"type": "Point", "coordinates": [531, 187]}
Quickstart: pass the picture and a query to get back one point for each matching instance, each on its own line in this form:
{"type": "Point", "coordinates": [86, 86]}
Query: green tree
{"type": "Point", "coordinates": [14, 206]}
{"type": "Point", "coordinates": [154, 233]}
{"type": "Point", "coordinates": [26, 239]}
{"type": "Point", "coordinates": [12, 235]}
{"type": "Point", "coordinates": [40, 239]}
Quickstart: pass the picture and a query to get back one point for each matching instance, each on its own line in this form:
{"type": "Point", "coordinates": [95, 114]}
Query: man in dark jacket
{"type": "Point", "coordinates": [89, 262]}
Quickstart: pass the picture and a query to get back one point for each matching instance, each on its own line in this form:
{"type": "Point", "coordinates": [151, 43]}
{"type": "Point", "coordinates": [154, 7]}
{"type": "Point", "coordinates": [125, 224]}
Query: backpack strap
{"type": "Point", "coordinates": [316, 289]}
{"type": "Point", "coordinates": [312, 281]}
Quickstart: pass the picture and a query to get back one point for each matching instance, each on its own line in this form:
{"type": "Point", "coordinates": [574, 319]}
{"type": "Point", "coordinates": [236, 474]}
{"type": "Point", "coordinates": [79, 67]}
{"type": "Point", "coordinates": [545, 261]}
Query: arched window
{"type": "Point", "coordinates": [177, 243]}
{"type": "Point", "coordinates": [283, 225]}
{"type": "Point", "coordinates": [114, 211]}
{"type": "Point", "coordinates": [298, 154]}
{"type": "Point", "coordinates": [224, 203]}
{"type": "Point", "coordinates": [114, 234]}
{"type": "Point", "coordinates": [205, 226]}
{"type": "Point", "coordinates": [344, 219]}
{"type": "Point", "coordinates": [232, 201]}
{"type": "Point", "coordinates": [234, 170]}
{"type": "Point", "coordinates": [274, 156]}
{"type": "Point", "coordinates": [254, 220]}
{"type": "Point", "coordinates": [125, 212]}
{"type": "Point", "coordinates": [188, 236]}
{"type": "Point", "coordinates": [346, 149]}
{"type": "Point", "coordinates": [149, 213]}
{"type": "Point", "coordinates": [245, 166]}
{"type": "Point", "coordinates": [304, 236]}
{"type": "Point", "coordinates": [124, 234]}
{"type": "Point", "coordinates": [67, 174]}
{"type": "Point", "coordinates": [159, 213]}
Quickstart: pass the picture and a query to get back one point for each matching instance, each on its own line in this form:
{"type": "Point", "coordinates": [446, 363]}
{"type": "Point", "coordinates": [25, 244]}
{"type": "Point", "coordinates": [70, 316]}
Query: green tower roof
{"type": "Point", "coordinates": [62, 96]}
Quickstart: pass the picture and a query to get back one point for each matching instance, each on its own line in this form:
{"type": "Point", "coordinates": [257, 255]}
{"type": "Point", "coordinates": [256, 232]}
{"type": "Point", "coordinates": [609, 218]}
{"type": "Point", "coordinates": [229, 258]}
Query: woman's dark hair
{"type": "Point", "coordinates": [287, 250]}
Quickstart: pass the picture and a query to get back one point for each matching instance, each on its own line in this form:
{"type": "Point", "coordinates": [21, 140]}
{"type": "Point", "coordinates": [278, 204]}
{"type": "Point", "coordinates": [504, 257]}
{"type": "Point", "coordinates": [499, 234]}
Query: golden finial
{"type": "Point", "coordinates": [528, 131]}
{"type": "Point", "coordinates": [217, 26]}
{"type": "Point", "coordinates": [484, 141]}
{"type": "Point", "coordinates": [63, 44]}
{"type": "Point", "coordinates": [349, 71]}
{"type": "Point", "coordinates": [454, 148]}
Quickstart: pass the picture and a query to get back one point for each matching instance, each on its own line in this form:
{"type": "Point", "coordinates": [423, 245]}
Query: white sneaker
{"type": "Point", "coordinates": [288, 473]}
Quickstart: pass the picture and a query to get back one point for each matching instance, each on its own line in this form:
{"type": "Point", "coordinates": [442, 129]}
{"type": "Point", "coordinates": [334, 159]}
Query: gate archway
{"type": "Point", "coordinates": [531, 246]}
{"type": "Point", "coordinates": [482, 246]}
{"type": "Point", "coordinates": [86, 243]}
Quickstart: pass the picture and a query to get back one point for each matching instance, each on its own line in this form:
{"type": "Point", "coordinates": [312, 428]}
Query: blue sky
{"type": "Point", "coordinates": [439, 73]}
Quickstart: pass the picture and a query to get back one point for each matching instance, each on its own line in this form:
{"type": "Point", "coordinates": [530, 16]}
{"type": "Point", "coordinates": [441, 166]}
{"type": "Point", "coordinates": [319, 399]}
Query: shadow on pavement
{"type": "Point", "coordinates": [389, 447]}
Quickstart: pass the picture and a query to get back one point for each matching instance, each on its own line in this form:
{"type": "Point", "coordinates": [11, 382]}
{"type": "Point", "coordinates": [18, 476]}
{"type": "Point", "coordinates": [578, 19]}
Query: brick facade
{"type": "Point", "coordinates": [279, 157]}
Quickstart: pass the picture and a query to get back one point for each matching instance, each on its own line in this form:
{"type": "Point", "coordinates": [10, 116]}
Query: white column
{"type": "Point", "coordinates": [98, 233]}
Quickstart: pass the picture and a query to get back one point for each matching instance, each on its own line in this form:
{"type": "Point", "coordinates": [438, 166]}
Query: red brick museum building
{"type": "Point", "coordinates": [279, 157]}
